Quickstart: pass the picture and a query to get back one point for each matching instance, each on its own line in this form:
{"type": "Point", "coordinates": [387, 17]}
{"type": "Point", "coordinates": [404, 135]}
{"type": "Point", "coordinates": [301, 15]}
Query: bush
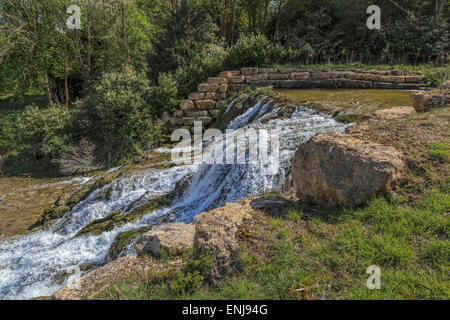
{"type": "Point", "coordinates": [78, 159]}
{"type": "Point", "coordinates": [164, 97]}
{"type": "Point", "coordinates": [182, 35]}
{"type": "Point", "coordinates": [43, 132]}
{"type": "Point", "coordinates": [117, 117]}
{"type": "Point", "coordinates": [255, 50]}
{"type": "Point", "coordinates": [208, 63]}
{"type": "Point", "coordinates": [7, 134]}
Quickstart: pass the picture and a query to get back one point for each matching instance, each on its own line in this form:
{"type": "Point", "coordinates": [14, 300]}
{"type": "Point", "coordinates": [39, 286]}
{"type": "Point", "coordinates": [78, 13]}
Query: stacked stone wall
{"type": "Point", "coordinates": [205, 104]}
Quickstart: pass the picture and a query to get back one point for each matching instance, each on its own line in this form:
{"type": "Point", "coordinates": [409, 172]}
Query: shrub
{"type": "Point", "coordinates": [116, 116]}
{"type": "Point", "coordinates": [78, 159]}
{"type": "Point", "coordinates": [164, 96]}
{"type": "Point", "coordinates": [7, 134]}
{"type": "Point", "coordinates": [182, 34]}
{"type": "Point", "coordinates": [254, 50]}
{"type": "Point", "coordinates": [208, 63]}
{"type": "Point", "coordinates": [42, 132]}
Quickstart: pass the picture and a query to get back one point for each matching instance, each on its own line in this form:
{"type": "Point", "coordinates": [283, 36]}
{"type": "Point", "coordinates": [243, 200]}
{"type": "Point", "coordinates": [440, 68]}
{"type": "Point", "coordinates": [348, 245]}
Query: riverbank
{"type": "Point", "coordinates": [289, 249]}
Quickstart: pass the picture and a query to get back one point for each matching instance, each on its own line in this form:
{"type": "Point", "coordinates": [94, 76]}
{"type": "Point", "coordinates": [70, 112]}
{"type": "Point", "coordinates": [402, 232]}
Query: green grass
{"type": "Point", "coordinates": [326, 257]}
{"type": "Point", "coordinates": [440, 150]}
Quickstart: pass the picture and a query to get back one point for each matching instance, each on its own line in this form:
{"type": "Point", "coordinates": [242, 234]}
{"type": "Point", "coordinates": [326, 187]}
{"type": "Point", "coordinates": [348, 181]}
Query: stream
{"type": "Point", "coordinates": [29, 262]}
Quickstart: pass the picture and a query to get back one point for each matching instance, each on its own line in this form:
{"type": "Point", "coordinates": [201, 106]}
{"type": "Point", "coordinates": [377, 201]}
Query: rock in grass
{"type": "Point", "coordinates": [445, 85]}
{"type": "Point", "coordinates": [215, 236]}
{"type": "Point", "coordinates": [393, 113]}
{"type": "Point", "coordinates": [340, 170]}
{"type": "Point", "coordinates": [172, 238]}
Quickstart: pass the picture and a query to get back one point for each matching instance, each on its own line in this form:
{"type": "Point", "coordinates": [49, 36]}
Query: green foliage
{"type": "Point", "coordinates": [43, 131]}
{"type": "Point", "coordinates": [437, 252]}
{"type": "Point", "coordinates": [164, 96]}
{"type": "Point", "coordinates": [183, 34]}
{"type": "Point", "coordinates": [7, 135]}
{"type": "Point", "coordinates": [207, 63]}
{"type": "Point", "coordinates": [117, 117]}
{"type": "Point", "coordinates": [440, 150]}
{"type": "Point", "coordinates": [255, 50]}
{"type": "Point", "coordinates": [335, 31]}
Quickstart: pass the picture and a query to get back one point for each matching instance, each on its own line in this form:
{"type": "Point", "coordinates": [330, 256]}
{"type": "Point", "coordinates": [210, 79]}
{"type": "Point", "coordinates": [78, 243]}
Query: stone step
{"type": "Point", "coordinates": [229, 74]}
{"type": "Point", "coordinates": [187, 105]}
{"type": "Point", "coordinates": [205, 104]}
{"type": "Point", "coordinates": [196, 96]}
{"type": "Point", "coordinates": [208, 87]}
{"type": "Point", "coordinates": [216, 80]}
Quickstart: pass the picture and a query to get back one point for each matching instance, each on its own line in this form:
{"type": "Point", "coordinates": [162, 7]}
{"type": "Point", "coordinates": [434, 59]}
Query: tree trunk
{"type": "Point", "coordinates": [66, 85]}
{"type": "Point", "coordinates": [223, 20]}
{"type": "Point", "coordinates": [439, 8]}
{"type": "Point", "coordinates": [89, 47]}
{"type": "Point", "coordinates": [277, 23]}
{"type": "Point", "coordinates": [233, 17]}
{"type": "Point", "coordinates": [47, 88]}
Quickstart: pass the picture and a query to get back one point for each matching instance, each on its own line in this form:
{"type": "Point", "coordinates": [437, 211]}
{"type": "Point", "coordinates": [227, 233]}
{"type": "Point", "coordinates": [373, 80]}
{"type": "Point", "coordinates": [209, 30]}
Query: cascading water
{"type": "Point", "coordinates": [28, 264]}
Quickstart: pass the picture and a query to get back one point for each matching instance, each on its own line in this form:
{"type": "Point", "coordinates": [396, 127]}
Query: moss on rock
{"type": "Point", "coordinates": [117, 219]}
{"type": "Point", "coordinates": [67, 201]}
{"type": "Point", "coordinates": [122, 241]}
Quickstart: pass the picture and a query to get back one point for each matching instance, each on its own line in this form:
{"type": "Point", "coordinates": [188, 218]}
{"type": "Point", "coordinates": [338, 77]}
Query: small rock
{"type": "Point", "coordinates": [237, 79]}
{"type": "Point", "coordinates": [196, 96]}
{"type": "Point", "coordinates": [186, 105]}
{"type": "Point", "coordinates": [223, 88]}
{"type": "Point", "coordinates": [229, 74]}
{"type": "Point", "coordinates": [273, 206]}
{"type": "Point", "coordinates": [279, 76]}
{"type": "Point", "coordinates": [249, 71]}
{"type": "Point", "coordinates": [217, 80]}
{"type": "Point", "coordinates": [208, 87]}
{"type": "Point", "coordinates": [257, 77]}
{"type": "Point", "coordinates": [196, 113]}
{"type": "Point", "coordinates": [173, 238]}
{"type": "Point", "coordinates": [178, 113]}
{"type": "Point", "coordinates": [214, 113]}
{"type": "Point", "coordinates": [445, 85]}
{"type": "Point", "coordinates": [300, 75]}
{"type": "Point", "coordinates": [205, 104]}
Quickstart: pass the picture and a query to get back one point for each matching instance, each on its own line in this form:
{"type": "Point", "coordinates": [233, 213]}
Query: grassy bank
{"type": "Point", "coordinates": [312, 252]}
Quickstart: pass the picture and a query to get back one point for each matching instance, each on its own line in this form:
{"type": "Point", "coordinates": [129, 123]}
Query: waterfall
{"type": "Point", "coordinates": [28, 264]}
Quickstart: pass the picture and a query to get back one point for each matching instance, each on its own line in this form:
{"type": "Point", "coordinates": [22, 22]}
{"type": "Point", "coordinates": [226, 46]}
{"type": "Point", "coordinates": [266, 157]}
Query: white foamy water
{"type": "Point", "coordinates": [28, 264]}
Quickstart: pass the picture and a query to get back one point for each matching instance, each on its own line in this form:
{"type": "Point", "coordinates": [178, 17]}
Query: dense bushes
{"type": "Point", "coordinates": [207, 63]}
{"type": "Point", "coordinates": [336, 32]}
{"type": "Point", "coordinates": [43, 132]}
{"type": "Point", "coordinates": [163, 97]}
{"type": "Point", "coordinates": [182, 35]}
{"type": "Point", "coordinates": [7, 135]}
{"type": "Point", "coordinates": [254, 51]}
{"type": "Point", "coordinates": [115, 121]}
{"type": "Point", "coordinates": [116, 115]}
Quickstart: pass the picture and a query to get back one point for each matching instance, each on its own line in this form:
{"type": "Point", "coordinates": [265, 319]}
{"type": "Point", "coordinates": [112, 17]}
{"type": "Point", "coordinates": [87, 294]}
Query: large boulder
{"type": "Point", "coordinates": [173, 238]}
{"type": "Point", "coordinates": [423, 102]}
{"type": "Point", "coordinates": [215, 236]}
{"type": "Point", "coordinates": [340, 170]}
